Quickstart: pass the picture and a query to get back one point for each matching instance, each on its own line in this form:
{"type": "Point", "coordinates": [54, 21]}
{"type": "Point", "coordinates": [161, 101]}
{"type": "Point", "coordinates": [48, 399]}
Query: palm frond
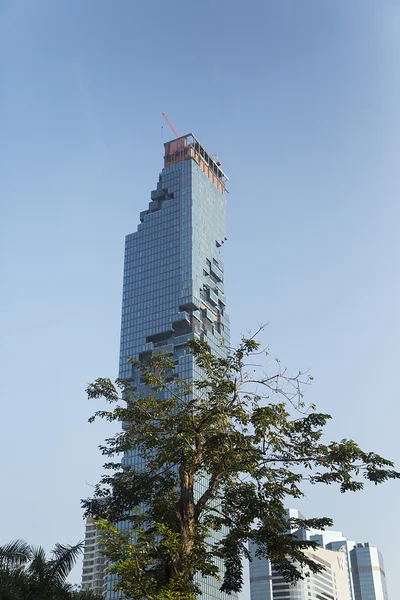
{"type": "Point", "coordinates": [64, 558]}
{"type": "Point", "coordinates": [38, 566]}
{"type": "Point", "coordinates": [15, 553]}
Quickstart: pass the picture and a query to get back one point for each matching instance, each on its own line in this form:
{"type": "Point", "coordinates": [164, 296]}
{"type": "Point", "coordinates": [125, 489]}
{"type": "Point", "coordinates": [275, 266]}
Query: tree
{"type": "Point", "coordinates": [13, 582]}
{"type": "Point", "coordinates": [25, 572]}
{"type": "Point", "coordinates": [48, 578]}
{"type": "Point", "coordinates": [85, 595]}
{"type": "Point", "coordinates": [222, 453]}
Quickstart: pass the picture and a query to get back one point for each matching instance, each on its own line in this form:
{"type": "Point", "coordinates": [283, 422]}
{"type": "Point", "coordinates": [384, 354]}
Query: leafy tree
{"type": "Point", "coordinates": [25, 572]}
{"type": "Point", "coordinates": [222, 453]}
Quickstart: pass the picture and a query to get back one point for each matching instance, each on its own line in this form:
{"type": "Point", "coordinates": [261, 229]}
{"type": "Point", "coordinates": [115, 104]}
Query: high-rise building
{"type": "Point", "coordinates": [361, 565]}
{"type": "Point", "coordinates": [174, 279]}
{"type": "Point", "coordinates": [368, 573]}
{"type": "Point", "coordinates": [173, 276]}
{"type": "Point", "coordinates": [330, 584]}
{"type": "Point", "coordinates": [94, 563]}
{"type": "Point", "coordinates": [346, 546]}
{"type": "Point", "coordinates": [327, 538]}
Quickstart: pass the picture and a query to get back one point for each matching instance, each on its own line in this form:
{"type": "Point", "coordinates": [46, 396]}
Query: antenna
{"type": "Point", "coordinates": [170, 124]}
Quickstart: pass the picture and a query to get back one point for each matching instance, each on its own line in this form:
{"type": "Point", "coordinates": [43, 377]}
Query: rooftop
{"type": "Point", "coordinates": [188, 147]}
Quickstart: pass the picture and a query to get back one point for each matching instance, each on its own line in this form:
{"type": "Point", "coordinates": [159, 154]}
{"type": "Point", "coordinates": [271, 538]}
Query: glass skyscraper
{"type": "Point", "coordinates": [173, 276]}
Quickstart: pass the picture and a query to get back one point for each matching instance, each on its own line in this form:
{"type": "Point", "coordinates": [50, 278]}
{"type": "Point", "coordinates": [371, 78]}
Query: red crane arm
{"type": "Point", "coordinates": [170, 124]}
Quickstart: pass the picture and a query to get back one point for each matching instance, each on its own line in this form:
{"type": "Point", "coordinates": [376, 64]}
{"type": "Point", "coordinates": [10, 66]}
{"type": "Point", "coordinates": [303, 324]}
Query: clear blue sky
{"type": "Point", "coordinates": [300, 99]}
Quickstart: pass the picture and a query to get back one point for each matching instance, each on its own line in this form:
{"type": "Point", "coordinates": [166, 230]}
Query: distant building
{"type": "Point", "coordinates": [353, 570]}
{"type": "Point", "coordinates": [94, 575]}
{"type": "Point", "coordinates": [328, 539]}
{"type": "Point", "coordinates": [368, 573]}
{"type": "Point", "coordinates": [330, 584]}
{"type": "Point", "coordinates": [347, 546]}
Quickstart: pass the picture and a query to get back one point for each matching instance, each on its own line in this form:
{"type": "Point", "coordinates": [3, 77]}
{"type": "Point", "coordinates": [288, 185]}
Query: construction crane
{"type": "Point", "coordinates": [170, 124]}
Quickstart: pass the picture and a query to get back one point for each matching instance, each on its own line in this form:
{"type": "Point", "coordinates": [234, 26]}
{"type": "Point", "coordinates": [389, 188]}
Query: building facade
{"type": "Point", "coordinates": [173, 287]}
{"type": "Point", "coordinates": [368, 573]}
{"type": "Point", "coordinates": [94, 563]}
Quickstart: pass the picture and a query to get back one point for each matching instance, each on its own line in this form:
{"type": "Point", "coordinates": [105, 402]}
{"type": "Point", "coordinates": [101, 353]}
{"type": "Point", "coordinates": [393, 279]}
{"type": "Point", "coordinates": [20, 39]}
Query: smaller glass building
{"type": "Point", "coordinates": [368, 572]}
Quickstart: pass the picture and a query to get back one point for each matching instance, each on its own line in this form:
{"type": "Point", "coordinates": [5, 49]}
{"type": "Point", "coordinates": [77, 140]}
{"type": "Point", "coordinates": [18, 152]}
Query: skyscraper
{"type": "Point", "coordinates": [173, 276]}
{"type": "Point", "coordinates": [368, 573]}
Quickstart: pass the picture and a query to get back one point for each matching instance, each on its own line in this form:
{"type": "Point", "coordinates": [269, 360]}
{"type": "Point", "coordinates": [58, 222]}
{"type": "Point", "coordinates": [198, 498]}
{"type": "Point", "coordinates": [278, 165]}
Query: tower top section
{"type": "Point", "coordinates": [188, 146]}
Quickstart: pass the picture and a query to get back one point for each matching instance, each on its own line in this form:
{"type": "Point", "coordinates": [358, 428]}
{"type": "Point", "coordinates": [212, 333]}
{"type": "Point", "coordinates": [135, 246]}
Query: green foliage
{"type": "Point", "coordinates": [223, 453]}
{"type": "Point", "coordinates": [25, 572]}
{"type": "Point", "coordinates": [85, 595]}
